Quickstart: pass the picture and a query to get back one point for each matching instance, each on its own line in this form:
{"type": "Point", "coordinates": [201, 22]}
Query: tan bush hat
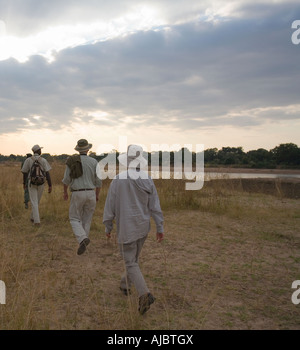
{"type": "Point", "coordinates": [35, 148]}
{"type": "Point", "coordinates": [83, 145]}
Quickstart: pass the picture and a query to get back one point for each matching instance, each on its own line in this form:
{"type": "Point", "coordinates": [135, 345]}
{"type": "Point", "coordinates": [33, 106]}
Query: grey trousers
{"type": "Point", "coordinates": [133, 275]}
{"type": "Point", "coordinates": [35, 195]}
{"type": "Point", "coordinates": [81, 211]}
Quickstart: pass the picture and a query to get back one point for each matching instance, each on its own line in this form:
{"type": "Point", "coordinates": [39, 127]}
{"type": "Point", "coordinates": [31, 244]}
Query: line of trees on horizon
{"type": "Point", "coordinates": [286, 155]}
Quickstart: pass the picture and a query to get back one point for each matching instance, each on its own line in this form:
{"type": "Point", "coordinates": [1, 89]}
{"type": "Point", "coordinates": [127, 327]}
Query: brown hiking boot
{"type": "Point", "coordinates": [82, 246]}
{"type": "Point", "coordinates": [144, 302]}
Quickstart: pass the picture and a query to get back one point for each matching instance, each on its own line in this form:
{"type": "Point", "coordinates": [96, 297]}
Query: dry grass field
{"type": "Point", "coordinates": [227, 262]}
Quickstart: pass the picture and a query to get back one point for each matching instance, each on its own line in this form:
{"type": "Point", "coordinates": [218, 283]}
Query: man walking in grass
{"type": "Point", "coordinates": [132, 199]}
{"type": "Point", "coordinates": [35, 172]}
{"type": "Point", "coordinates": [81, 176]}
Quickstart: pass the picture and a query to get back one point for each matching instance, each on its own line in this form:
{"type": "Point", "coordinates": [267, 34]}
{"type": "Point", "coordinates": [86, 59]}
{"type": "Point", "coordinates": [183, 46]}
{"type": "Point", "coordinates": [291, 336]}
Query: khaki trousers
{"type": "Point", "coordinates": [35, 195]}
{"type": "Point", "coordinates": [130, 253]}
{"type": "Point", "coordinates": [81, 211]}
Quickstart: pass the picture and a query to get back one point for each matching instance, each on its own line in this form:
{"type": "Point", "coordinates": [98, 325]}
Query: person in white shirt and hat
{"type": "Point", "coordinates": [132, 199]}
{"type": "Point", "coordinates": [85, 188]}
{"type": "Point", "coordinates": [36, 190]}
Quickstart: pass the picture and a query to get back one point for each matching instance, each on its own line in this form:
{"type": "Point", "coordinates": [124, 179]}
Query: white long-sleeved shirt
{"type": "Point", "coordinates": [131, 202]}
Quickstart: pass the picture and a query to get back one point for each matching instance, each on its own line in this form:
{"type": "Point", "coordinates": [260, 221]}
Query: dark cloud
{"type": "Point", "coordinates": [31, 16]}
{"type": "Point", "coordinates": [28, 17]}
{"type": "Point", "coordinates": [188, 76]}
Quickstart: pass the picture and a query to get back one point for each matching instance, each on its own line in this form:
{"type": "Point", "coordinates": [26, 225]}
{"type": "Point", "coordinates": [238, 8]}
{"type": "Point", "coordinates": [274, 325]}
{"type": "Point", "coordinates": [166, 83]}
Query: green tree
{"type": "Point", "coordinates": [12, 157]}
{"type": "Point", "coordinates": [231, 155]}
{"type": "Point", "coordinates": [260, 158]}
{"type": "Point", "coordinates": [211, 155]}
{"type": "Point", "coordinates": [286, 154]}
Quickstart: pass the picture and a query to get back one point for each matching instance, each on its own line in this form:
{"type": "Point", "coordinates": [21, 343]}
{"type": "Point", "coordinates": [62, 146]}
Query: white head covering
{"type": "Point", "coordinates": [133, 158]}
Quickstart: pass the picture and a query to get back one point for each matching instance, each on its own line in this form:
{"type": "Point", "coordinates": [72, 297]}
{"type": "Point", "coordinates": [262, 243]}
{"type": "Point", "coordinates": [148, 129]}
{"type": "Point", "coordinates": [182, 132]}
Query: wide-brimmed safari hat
{"type": "Point", "coordinates": [133, 158]}
{"type": "Point", "coordinates": [83, 145]}
{"type": "Point", "coordinates": [35, 148]}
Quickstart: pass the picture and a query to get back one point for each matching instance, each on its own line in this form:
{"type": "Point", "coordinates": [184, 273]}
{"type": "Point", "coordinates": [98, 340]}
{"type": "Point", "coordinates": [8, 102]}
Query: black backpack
{"type": "Point", "coordinates": [37, 174]}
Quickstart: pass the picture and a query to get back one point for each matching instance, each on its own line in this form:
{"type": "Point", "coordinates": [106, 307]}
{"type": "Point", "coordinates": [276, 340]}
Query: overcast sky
{"type": "Point", "coordinates": [175, 72]}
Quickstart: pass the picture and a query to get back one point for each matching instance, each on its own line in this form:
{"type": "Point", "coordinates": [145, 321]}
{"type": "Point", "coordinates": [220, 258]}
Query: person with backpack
{"type": "Point", "coordinates": [36, 172]}
{"type": "Point", "coordinates": [82, 177]}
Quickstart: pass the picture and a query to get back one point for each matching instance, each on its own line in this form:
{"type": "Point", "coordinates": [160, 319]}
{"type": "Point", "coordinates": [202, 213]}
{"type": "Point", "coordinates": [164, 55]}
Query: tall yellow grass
{"type": "Point", "coordinates": [19, 243]}
{"type": "Point", "coordinates": [50, 287]}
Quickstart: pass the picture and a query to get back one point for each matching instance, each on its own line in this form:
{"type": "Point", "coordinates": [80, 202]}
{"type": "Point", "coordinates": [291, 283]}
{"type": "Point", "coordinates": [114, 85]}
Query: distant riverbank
{"type": "Point", "coordinates": [252, 171]}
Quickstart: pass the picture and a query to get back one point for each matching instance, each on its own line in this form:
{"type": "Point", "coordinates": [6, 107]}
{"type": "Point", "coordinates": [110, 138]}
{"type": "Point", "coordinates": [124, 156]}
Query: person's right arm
{"type": "Point", "coordinates": [25, 176]}
{"type": "Point", "coordinates": [156, 213]}
{"type": "Point", "coordinates": [48, 178]}
{"type": "Point", "coordinates": [66, 196]}
{"type": "Point", "coordinates": [66, 182]}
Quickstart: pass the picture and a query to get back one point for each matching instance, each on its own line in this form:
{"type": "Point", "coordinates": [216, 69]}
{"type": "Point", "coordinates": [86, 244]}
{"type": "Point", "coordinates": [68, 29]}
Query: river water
{"type": "Point", "coordinates": [208, 175]}
{"type": "Point", "coordinates": [155, 174]}
{"type": "Point", "coordinates": [213, 175]}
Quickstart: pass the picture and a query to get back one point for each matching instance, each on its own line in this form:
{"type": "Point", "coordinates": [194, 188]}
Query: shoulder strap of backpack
{"type": "Point", "coordinates": [37, 160]}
